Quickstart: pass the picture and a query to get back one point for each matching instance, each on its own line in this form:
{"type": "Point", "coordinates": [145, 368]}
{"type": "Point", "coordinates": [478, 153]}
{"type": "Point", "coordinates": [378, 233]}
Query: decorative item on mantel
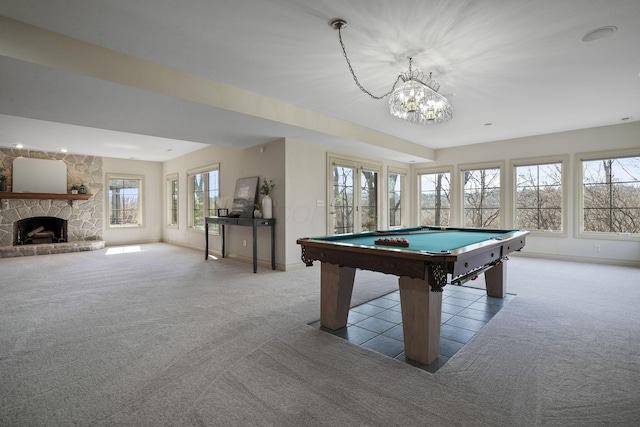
{"type": "Point", "coordinates": [82, 189]}
{"type": "Point", "coordinates": [74, 189]}
{"type": "Point", "coordinates": [3, 180]}
{"type": "Point", "coordinates": [267, 203]}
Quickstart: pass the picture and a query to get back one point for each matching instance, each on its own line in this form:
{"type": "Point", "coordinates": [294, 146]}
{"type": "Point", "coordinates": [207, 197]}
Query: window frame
{"type": "Point", "coordinates": [536, 161]}
{"type": "Point", "coordinates": [141, 200]}
{"type": "Point", "coordinates": [579, 195]}
{"type": "Point", "coordinates": [169, 206]}
{"type": "Point", "coordinates": [453, 202]}
{"type": "Point", "coordinates": [460, 186]}
{"type": "Point", "coordinates": [213, 228]}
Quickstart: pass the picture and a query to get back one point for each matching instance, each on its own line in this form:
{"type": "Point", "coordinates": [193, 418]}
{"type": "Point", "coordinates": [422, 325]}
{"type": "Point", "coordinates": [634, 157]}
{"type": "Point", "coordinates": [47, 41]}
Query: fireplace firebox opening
{"type": "Point", "coordinates": [41, 229]}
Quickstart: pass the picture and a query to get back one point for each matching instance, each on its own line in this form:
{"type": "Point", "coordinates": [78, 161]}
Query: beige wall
{"type": "Point", "coordinates": [299, 170]}
{"type": "Point", "coordinates": [306, 189]}
{"type": "Point", "coordinates": [265, 161]}
{"type": "Point", "coordinates": [619, 137]}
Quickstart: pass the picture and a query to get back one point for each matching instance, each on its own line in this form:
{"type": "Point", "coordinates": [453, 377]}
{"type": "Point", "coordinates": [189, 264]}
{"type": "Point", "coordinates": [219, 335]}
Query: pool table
{"type": "Point", "coordinates": [423, 258]}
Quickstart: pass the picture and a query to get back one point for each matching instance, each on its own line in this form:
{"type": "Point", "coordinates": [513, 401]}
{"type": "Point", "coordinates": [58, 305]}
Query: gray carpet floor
{"type": "Point", "coordinates": [156, 336]}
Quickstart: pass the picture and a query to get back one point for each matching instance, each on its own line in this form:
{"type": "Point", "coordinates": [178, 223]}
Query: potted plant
{"type": "Point", "coordinates": [257, 213]}
{"type": "Point", "coordinates": [267, 203]}
{"type": "Point", "coordinates": [3, 180]}
{"type": "Point", "coordinates": [266, 187]}
{"type": "Point", "coordinates": [74, 189]}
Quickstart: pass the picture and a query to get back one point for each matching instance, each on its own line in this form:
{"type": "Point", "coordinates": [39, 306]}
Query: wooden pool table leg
{"type": "Point", "coordinates": [496, 280]}
{"type": "Point", "coordinates": [336, 287]}
{"type": "Point", "coordinates": [421, 315]}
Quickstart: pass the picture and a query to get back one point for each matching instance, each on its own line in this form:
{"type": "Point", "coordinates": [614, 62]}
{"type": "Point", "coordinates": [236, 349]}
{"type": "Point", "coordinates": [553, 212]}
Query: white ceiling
{"type": "Point", "coordinates": [518, 64]}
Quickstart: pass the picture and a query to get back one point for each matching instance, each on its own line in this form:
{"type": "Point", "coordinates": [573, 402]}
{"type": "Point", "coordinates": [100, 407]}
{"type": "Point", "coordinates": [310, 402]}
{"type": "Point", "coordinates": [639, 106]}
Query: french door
{"type": "Point", "coordinates": [353, 206]}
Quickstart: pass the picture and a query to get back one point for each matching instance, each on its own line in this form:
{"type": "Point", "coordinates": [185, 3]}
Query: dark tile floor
{"type": "Point", "coordinates": [377, 324]}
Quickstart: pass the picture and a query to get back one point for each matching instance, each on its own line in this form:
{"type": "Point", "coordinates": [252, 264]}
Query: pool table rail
{"type": "Point", "coordinates": [411, 263]}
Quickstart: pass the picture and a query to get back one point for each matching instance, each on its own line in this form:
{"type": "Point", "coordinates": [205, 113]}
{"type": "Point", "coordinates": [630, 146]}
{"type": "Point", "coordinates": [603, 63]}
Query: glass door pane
{"type": "Point", "coordinates": [343, 199]}
{"type": "Point", "coordinates": [368, 201]}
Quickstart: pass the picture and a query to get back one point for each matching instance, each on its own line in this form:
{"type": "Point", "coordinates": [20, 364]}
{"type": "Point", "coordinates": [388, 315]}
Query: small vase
{"type": "Point", "coordinates": [267, 207]}
{"type": "Point", "coordinates": [257, 214]}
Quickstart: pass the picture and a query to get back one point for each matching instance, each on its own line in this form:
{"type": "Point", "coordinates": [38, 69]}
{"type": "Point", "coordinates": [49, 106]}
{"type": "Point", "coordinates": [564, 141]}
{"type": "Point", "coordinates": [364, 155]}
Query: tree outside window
{"type": "Point", "coordinates": [125, 200]}
{"type": "Point", "coordinates": [481, 198]}
{"type": "Point", "coordinates": [205, 197]}
{"type": "Point", "coordinates": [354, 197]}
{"type": "Point", "coordinates": [396, 184]}
{"type": "Point", "coordinates": [539, 197]}
{"type": "Point", "coordinates": [343, 202]}
{"type": "Point", "coordinates": [369, 200]}
{"type": "Point", "coordinates": [611, 195]}
{"type": "Point", "coordinates": [435, 201]}
{"type": "Point", "coordinates": [172, 200]}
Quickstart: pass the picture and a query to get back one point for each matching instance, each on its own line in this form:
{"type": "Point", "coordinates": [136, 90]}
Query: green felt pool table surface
{"type": "Point", "coordinates": [420, 239]}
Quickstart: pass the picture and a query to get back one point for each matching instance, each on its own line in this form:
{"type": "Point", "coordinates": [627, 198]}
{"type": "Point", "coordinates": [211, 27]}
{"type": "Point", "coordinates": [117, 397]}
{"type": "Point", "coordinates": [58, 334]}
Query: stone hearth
{"type": "Point", "coordinates": [50, 248]}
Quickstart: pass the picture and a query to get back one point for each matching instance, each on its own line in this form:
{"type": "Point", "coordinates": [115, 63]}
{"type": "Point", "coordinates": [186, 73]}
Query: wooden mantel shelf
{"type": "Point", "coordinates": [43, 196]}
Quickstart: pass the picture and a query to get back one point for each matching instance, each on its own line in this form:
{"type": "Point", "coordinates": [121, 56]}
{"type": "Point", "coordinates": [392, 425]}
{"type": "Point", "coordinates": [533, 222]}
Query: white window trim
{"type": "Point", "coordinates": [169, 179]}
{"type": "Point", "coordinates": [357, 163]}
{"type": "Point", "coordinates": [141, 200]}
{"type": "Point", "coordinates": [533, 161]}
{"type": "Point", "coordinates": [579, 201]}
{"type": "Point", "coordinates": [203, 169]}
{"type": "Point", "coordinates": [460, 186]}
{"type": "Point", "coordinates": [455, 220]}
{"type": "Point", "coordinates": [404, 205]}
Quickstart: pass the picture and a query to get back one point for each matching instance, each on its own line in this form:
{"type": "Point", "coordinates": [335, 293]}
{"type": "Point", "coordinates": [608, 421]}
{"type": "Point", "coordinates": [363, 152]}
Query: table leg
{"type": "Point", "coordinates": [496, 280]}
{"type": "Point", "coordinates": [336, 287]}
{"type": "Point", "coordinates": [255, 248]}
{"type": "Point", "coordinates": [273, 247]}
{"type": "Point", "coordinates": [222, 232]}
{"type": "Point", "coordinates": [206, 240]}
{"type": "Point", "coordinates": [421, 315]}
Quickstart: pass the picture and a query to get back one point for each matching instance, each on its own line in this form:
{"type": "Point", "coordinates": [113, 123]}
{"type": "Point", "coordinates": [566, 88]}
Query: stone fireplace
{"type": "Point", "coordinates": [70, 225]}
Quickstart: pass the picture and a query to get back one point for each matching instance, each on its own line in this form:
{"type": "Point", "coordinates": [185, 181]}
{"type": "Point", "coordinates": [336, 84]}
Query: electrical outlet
{"type": "Point", "coordinates": [596, 248]}
{"type": "Point", "coordinates": [244, 243]}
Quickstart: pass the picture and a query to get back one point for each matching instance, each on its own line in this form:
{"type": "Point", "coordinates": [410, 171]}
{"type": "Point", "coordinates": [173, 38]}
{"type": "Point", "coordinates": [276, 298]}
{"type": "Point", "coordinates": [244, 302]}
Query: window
{"type": "Point", "coordinates": [539, 196]}
{"type": "Point", "coordinates": [125, 200]}
{"type": "Point", "coordinates": [353, 207]}
{"type": "Point", "coordinates": [435, 198]}
{"type": "Point", "coordinates": [481, 197]}
{"type": "Point", "coordinates": [397, 179]}
{"type": "Point", "coordinates": [172, 200]}
{"type": "Point", "coordinates": [610, 195]}
{"type": "Point", "coordinates": [204, 195]}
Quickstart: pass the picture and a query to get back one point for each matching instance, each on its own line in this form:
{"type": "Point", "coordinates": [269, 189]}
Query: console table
{"type": "Point", "coordinates": [223, 221]}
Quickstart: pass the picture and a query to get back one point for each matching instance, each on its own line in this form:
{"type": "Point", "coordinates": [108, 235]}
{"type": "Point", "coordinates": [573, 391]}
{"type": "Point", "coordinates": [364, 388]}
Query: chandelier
{"type": "Point", "coordinates": [413, 97]}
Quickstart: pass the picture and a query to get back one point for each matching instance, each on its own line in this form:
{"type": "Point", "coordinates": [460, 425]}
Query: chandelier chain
{"type": "Point", "coordinates": [353, 74]}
